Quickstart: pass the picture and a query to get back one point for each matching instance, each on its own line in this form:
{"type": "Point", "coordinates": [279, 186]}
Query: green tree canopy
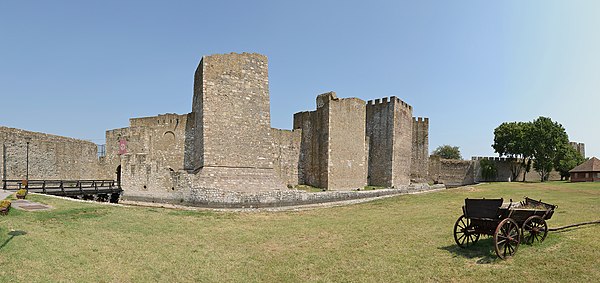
{"type": "Point", "coordinates": [447, 152]}
{"type": "Point", "coordinates": [548, 140]}
{"type": "Point", "coordinates": [567, 159]}
{"type": "Point", "coordinates": [511, 140]}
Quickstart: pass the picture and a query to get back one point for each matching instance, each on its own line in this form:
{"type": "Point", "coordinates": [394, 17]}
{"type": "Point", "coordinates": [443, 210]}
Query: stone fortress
{"type": "Point", "coordinates": [225, 150]}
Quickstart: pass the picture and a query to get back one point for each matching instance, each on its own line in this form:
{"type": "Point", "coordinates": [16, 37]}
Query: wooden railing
{"type": "Point", "coordinates": [65, 187]}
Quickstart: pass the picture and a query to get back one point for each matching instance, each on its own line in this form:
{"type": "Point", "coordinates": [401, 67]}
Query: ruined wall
{"type": "Point", "coordinates": [333, 150]}
{"type": "Point", "coordinates": [452, 173]}
{"type": "Point", "coordinates": [51, 157]}
{"type": "Point", "coordinates": [420, 149]}
{"type": "Point", "coordinates": [389, 131]}
{"type": "Point", "coordinates": [231, 103]}
{"type": "Point", "coordinates": [154, 148]}
{"type": "Point", "coordinates": [286, 148]}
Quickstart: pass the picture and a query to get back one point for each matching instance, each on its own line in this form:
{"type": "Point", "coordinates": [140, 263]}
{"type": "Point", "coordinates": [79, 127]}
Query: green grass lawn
{"type": "Point", "coordinates": [404, 238]}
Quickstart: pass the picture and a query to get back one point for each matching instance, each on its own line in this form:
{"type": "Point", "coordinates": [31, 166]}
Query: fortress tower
{"type": "Point", "coordinates": [419, 169]}
{"type": "Point", "coordinates": [389, 129]}
{"type": "Point", "coordinates": [333, 147]}
{"type": "Point", "coordinates": [232, 143]}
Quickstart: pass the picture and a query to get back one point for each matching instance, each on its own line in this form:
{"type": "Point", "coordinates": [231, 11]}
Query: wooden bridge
{"type": "Point", "coordinates": [102, 190]}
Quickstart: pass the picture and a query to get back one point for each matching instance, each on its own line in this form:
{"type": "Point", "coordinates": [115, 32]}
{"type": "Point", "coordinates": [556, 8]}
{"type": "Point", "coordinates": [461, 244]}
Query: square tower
{"type": "Point", "coordinates": [231, 112]}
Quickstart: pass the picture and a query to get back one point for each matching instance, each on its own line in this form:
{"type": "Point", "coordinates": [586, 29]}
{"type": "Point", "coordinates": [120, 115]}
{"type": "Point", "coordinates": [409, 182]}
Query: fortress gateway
{"type": "Point", "coordinates": [226, 145]}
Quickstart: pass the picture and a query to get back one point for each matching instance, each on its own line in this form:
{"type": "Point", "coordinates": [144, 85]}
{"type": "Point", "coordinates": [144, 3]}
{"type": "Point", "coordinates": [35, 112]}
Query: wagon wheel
{"type": "Point", "coordinates": [535, 229]}
{"type": "Point", "coordinates": [464, 232]}
{"type": "Point", "coordinates": [507, 238]}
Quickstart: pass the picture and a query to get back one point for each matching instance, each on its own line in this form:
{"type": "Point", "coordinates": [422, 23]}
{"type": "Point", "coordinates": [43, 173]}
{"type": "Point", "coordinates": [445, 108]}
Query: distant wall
{"type": "Point", "coordinates": [579, 147]}
{"type": "Point", "coordinates": [451, 172]}
{"type": "Point", "coordinates": [50, 157]}
{"type": "Point", "coordinates": [286, 147]}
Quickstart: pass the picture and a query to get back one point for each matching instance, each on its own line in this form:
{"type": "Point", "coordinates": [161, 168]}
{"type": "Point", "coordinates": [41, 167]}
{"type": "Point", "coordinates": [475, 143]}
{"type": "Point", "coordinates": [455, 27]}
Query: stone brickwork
{"type": "Point", "coordinates": [232, 143]}
{"type": "Point", "coordinates": [389, 131]}
{"type": "Point", "coordinates": [286, 146]}
{"type": "Point", "coordinates": [232, 111]}
{"type": "Point", "coordinates": [50, 157]}
{"type": "Point", "coordinates": [334, 149]}
{"type": "Point", "coordinates": [452, 173]}
{"type": "Point", "coordinates": [154, 147]}
{"type": "Point", "coordinates": [274, 198]}
{"type": "Point", "coordinates": [420, 149]}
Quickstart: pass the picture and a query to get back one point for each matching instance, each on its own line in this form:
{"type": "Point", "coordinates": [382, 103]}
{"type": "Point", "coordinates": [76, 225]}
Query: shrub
{"type": "Point", "coordinates": [22, 192]}
{"type": "Point", "coordinates": [5, 203]}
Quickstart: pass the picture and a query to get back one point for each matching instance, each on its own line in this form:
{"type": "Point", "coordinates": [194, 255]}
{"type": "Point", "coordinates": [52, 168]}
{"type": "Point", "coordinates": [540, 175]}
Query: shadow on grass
{"type": "Point", "coordinates": [483, 250]}
{"type": "Point", "coordinates": [12, 234]}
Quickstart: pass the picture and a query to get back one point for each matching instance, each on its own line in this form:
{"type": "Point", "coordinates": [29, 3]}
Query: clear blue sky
{"type": "Point", "coordinates": [78, 68]}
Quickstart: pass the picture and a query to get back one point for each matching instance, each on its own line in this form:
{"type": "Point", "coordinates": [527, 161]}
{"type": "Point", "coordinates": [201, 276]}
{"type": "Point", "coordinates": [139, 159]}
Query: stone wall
{"type": "Point", "coordinates": [420, 149]}
{"type": "Point", "coordinates": [333, 150]}
{"type": "Point", "coordinates": [274, 198]}
{"type": "Point", "coordinates": [286, 147]}
{"type": "Point", "coordinates": [51, 157]}
{"type": "Point", "coordinates": [389, 131]}
{"type": "Point", "coordinates": [452, 173]}
{"type": "Point", "coordinates": [153, 148]}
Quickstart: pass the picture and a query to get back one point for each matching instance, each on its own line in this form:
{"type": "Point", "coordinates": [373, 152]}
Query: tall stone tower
{"type": "Point", "coordinates": [232, 145]}
{"type": "Point", "coordinates": [333, 148]}
{"type": "Point", "coordinates": [419, 169]}
{"type": "Point", "coordinates": [389, 128]}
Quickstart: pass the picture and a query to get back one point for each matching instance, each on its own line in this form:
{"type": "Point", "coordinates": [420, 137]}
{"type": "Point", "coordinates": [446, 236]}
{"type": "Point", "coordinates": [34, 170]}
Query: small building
{"type": "Point", "coordinates": [588, 171]}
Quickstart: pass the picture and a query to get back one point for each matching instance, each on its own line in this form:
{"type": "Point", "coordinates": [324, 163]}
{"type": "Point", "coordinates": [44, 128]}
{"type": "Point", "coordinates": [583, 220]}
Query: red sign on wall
{"type": "Point", "coordinates": [122, 147]}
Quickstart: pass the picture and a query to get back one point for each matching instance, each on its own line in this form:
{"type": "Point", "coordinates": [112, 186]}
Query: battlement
{"type": "Point", "coordinates": [389, 100]}
{"type": "Point", "coordinates": [421, 120]}
{"type": "Point", "coordinates": [491, 158]}
{"type": "Point", "coordinates": [162, 119]}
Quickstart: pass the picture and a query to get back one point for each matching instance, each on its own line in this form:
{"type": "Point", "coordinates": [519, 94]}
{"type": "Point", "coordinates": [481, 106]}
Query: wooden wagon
{"type": "Point", "coordinates": [510, 224]}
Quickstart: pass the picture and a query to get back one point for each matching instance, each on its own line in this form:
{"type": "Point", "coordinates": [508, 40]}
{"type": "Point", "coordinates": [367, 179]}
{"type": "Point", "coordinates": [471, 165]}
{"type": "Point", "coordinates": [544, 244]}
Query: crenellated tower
{"type": "Point", "coordinates": [389, 131]}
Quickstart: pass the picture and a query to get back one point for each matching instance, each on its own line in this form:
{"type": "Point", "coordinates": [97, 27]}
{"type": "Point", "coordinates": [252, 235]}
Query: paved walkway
{"type": "Point", "coordinates": [4, 194]}
{"type": "Point", "coordinates": [24, 204]}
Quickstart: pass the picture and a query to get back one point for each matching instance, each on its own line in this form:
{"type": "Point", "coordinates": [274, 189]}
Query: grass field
{"type": "Point", "coordinates": [404, 238]}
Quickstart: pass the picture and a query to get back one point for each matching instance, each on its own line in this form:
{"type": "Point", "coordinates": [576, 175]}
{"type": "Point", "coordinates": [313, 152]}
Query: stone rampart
{"type": "Point", "coordinates": [214, 198]}
{"type": "Point", "coordinates": [50, 157]}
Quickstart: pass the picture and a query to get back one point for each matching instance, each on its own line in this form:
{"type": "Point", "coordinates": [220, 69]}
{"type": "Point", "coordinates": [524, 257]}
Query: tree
{"type": "Point", "coordinates": [511, 140]}
{"type": "Point", "coordinates": [567, 159]}
{"type": "Point", "coordinates": [547, 139]}
{"type": "Point", "coordinates": [447, 152]}
{"type": "Point", "coordinates": [488, 170]}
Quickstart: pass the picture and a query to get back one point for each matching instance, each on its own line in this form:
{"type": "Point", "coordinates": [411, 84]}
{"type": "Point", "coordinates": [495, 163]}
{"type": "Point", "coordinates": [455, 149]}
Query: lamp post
{"type": "Point", "coordinates": [28, 140]}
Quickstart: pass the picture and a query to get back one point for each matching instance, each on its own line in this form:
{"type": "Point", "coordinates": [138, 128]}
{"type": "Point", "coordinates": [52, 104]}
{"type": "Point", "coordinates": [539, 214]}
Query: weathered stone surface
{"type": "Point", "coordinates": [420, 149]}
{"type": "Point", "coordinates": [334, 150]}
{"type": "Point", "coordinates": [50, 157]}
{"type": "Point", "coordinates": [389, 131]}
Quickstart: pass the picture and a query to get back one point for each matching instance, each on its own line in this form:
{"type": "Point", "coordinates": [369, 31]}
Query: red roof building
{"type": "Point", "coordinates": [588, 171]}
